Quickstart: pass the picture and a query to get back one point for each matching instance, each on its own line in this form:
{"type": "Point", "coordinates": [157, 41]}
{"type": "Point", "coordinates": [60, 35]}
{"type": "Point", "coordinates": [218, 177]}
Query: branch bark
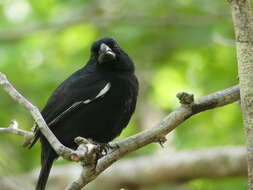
{"type": "Point", "coordinates": [177, 167]}
{"type": "Point", "coordinates": [243, 26]}
{"type": "Point", "coordinates": [90, 171]}
{"type": "Point", "coordinates": [13, 129]}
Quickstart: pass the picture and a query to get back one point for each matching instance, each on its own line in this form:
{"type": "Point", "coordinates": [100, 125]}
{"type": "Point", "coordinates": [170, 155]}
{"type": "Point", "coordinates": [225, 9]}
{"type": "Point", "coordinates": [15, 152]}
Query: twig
{"type": "Point", "coordinates": [13, 129]}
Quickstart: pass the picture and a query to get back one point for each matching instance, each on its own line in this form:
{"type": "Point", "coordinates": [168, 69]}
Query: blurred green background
{"type": "Point", "coordinates": [183, 45]}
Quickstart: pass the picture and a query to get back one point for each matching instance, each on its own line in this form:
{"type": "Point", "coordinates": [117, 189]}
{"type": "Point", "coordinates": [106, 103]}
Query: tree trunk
{"type": "Point", "coordinates": [242, 18]}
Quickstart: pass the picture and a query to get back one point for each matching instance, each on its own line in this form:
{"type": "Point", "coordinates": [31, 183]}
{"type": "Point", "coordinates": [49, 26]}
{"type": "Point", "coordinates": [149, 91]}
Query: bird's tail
{"type": "Point", "coordinates": [46, 165]}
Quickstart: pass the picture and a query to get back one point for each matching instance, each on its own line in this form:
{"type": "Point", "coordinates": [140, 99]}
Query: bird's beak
{"type": "Point", "coordinates": [105, 54]}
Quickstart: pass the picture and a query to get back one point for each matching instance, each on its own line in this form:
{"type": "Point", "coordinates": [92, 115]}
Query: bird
{"type": "Point", "coordinates": [96, 102]}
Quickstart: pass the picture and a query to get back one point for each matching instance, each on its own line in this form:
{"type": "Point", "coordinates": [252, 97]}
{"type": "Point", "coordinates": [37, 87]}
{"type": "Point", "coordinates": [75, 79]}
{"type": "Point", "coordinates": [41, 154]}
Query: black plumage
{"type": "Point", "coordinates": [95, 102]}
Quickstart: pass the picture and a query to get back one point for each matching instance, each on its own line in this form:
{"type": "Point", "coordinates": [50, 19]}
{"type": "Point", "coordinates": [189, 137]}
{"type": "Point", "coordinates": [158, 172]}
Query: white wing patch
{"type": "Point", "coordinates": [86, 101]}
{"type": "Point", "coordinates": [100, 94]}
{"type": "Point", "coordinates": [76, 104]}
{"type": "Point", "coordinates": [104, 90]}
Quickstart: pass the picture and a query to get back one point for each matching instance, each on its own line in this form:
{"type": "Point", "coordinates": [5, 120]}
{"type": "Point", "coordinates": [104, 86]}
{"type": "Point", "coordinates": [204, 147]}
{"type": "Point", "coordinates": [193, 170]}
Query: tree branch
{"type": "Point", "coordinates": [159, 131]}
{"type": "Point", "coordinates": [13, 129]}
{"type": "Point", "coordinates": [177, 167]}
{"type": "Point", "coordinates": [133, 173]}
{"type": "Point", "coordinates": [85, 149]}
{"type": "Point", "coordinates": [91, 170]}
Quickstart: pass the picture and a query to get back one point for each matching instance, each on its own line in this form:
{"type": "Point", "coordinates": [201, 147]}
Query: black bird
{"type": "Point", "coordinates": [95, 102]}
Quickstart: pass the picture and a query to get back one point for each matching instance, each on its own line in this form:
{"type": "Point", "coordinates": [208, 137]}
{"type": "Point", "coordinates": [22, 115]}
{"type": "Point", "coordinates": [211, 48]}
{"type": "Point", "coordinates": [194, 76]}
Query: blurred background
{"type": "Point", "coordinates": [183, 45]}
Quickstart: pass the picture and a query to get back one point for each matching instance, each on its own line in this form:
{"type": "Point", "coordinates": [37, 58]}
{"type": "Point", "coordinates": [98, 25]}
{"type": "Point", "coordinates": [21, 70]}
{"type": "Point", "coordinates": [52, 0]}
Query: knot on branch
{"type": "Point", "coordinates": [185, 98]}
{"type": "Point", "coordinates": [13, 125]}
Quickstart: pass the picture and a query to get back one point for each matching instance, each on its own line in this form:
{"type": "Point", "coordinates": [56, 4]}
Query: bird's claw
{"type": "Point", "coordinates": [104, 148]}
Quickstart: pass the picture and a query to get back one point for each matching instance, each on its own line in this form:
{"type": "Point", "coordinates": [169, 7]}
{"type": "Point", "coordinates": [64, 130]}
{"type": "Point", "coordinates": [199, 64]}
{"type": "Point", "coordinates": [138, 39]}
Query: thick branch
{"type": "Point", "coordinates": [177, 167]}
{"type": "Point", "coordinates": [243, 26]}
{"type": "Point", "coordinates": [139, 172]}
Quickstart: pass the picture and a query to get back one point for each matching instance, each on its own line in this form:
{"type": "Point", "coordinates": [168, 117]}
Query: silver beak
{"type": "Point", "coordinates": [105, 53]}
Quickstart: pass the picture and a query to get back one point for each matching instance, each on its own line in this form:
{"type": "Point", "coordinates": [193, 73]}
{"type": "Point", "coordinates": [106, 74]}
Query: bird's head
{"type": "Point", "coordinates": [108, 55]}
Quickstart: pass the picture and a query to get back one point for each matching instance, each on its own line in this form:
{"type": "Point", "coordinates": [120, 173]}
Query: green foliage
{"type": "Point", "coordinates": [183, 45]}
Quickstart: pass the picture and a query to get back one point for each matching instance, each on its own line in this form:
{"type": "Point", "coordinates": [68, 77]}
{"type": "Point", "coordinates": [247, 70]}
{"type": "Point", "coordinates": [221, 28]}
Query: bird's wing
{"type": "Point", "coordinates": [75, 91]}
{"type": "Point", "coordinates": [77, 104]}
{"type": "Point", "coordinates": [78, 87]}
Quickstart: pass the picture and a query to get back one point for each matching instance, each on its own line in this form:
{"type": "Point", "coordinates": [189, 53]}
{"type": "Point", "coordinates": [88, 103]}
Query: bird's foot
{"type": "Point", "coordinates": [105, 148]}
